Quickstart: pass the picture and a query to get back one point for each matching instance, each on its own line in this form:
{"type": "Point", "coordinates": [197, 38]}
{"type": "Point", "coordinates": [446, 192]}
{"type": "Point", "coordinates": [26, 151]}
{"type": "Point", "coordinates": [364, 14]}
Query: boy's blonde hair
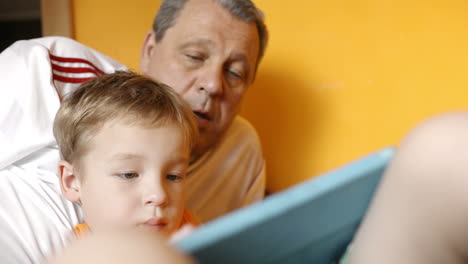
{"type": "Point", "coordinates": [121, 95]}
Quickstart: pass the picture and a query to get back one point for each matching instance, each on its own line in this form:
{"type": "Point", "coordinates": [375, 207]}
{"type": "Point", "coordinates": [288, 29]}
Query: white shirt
{"type": "Point", "coordinates": [35, 220]}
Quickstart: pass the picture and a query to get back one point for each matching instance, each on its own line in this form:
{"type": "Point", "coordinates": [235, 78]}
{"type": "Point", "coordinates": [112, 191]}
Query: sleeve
{"type": "Point", "coordinates": [34, 75]}
{"type": "Point", "coordinates": [28, 101]}
{"type": "Point", "coordinates": [256, 191]}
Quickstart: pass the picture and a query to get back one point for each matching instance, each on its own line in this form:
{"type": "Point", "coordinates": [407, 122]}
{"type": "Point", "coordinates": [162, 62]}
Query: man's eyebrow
{"type": "Point", "coordinates": [242, 58]}
{"type": "Point", "coordinates": [197, 42]}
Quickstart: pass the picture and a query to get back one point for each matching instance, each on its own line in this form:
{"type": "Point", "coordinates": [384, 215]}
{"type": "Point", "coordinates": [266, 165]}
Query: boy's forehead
{"type": "Point", "coordinates": [130, 139]}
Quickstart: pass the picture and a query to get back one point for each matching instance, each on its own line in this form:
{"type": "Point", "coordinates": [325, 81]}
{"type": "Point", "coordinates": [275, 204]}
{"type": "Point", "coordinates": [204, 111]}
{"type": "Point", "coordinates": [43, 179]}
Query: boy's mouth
{"type": "Point", "coordinates": [154, 223]}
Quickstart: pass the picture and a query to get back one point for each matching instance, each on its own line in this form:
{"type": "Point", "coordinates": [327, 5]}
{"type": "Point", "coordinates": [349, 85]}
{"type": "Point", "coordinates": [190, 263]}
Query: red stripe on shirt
{"type": "Point", "coordinates": [74, 70]}
{"type": "Point", "coordinates": [75, 60]}
{"type": "Point", "coordinates": [70, 79]}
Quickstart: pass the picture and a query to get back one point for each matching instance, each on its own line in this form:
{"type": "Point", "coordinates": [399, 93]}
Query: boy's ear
{"type": "Point", "coordinates": [147, 51]}
{"type": "Point", "coordinates": [69, 182]}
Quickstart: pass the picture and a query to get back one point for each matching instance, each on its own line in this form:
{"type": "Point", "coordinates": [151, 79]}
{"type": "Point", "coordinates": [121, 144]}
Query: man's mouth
{"type": "Point", "coordinates": [202, 115]}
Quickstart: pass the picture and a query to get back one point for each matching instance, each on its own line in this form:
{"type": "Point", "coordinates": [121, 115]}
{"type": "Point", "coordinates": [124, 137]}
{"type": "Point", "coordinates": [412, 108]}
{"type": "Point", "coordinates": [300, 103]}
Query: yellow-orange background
{"type": "Point", "coordinates": [340, 78]}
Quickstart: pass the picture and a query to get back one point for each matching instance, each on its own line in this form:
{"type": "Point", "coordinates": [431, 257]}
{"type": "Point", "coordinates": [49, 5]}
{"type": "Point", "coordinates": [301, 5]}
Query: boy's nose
{"type": "Point", "coordinates": [157, 196]}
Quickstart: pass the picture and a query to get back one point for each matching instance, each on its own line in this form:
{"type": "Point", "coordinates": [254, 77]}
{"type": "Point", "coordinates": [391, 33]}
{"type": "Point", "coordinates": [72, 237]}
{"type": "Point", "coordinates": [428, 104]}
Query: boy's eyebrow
{"type": "Point", "coordinates": [125, 156]}
{"type": "Point", "coordinates": [129, 156]}
{"type": "Point", "coordinates": [181, 160]}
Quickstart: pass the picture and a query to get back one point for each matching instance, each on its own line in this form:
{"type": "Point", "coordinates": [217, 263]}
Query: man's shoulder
{"type": "Point", "coordinates": [241, 140]}
{"type": "Point", "coordinates": [241, 128]}
{"type": "Point", "coordinates": [237, 164]}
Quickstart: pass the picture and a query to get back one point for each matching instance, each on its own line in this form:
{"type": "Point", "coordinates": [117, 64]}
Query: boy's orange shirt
{"type": "Point", "coordinates": [82, 229]}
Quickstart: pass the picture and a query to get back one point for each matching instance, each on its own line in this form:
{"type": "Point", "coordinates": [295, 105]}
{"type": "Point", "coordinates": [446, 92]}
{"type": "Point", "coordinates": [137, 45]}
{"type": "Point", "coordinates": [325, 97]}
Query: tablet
{"type": "Point", "coordinates": [311, 222]}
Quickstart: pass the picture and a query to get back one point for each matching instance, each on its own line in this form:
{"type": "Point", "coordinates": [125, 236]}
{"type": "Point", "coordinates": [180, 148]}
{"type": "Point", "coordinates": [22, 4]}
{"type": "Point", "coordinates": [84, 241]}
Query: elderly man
{"type": "Point", "coordinates": [207, 50]}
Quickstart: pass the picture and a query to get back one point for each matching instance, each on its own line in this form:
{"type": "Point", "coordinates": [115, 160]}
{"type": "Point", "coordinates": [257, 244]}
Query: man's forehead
{"type": "Point", "coordinates": [206, 23]}
{"type": "Point", "coordinates": [198, 15]}
{"type": "Point", "coordinates": [240, 41]}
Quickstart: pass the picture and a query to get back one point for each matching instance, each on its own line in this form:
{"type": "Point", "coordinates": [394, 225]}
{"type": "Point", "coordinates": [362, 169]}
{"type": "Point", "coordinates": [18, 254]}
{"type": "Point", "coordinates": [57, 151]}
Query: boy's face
{"type": "Point", "coordinates": [132, 176]}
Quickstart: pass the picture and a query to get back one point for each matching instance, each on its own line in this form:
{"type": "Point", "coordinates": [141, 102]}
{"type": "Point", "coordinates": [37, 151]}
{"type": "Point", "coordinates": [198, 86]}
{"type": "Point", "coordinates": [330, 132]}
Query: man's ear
{"type": "Point", "coordinates": [147, 51]}
{"type": "Point", "coordinates": [69, 182]}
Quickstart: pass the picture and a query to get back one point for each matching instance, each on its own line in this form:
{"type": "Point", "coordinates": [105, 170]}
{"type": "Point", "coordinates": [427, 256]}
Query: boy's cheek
{"type": "Point", "coordinates": [103, 213]}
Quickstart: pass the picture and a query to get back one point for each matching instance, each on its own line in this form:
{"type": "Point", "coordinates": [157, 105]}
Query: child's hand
{"type": "Point", "coordinates": [184, 231]}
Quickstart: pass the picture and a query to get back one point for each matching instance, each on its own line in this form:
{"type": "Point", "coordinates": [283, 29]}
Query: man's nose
{"type": "Point", "coordinates": [211, 81]}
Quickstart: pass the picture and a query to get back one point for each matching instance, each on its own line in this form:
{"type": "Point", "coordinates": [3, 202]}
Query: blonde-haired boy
{"type": "Point", "coordinates": [125, 144]}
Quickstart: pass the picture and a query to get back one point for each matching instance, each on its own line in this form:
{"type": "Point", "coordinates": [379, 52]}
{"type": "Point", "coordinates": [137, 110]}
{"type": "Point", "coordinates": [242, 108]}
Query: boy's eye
{"type": "Point", "coordinates": [128, 175]}
{"type": "Point", "coordinates": [173, 177]}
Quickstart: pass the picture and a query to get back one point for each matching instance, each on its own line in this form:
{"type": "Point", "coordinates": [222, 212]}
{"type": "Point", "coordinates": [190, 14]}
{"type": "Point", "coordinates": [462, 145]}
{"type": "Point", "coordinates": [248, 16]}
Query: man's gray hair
{"type": "Point", "coordinates": [242, 9]}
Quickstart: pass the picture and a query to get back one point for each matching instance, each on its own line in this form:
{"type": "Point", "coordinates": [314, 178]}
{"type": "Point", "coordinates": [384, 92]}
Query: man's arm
{"type": "Point", "coordinates": [34, 75]}
{"type": "Point", "coordinates": [28, 101]}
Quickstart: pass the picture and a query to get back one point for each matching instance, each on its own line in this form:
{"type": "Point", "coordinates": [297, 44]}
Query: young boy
{"type": "Point", "coordinates": [125, 145]}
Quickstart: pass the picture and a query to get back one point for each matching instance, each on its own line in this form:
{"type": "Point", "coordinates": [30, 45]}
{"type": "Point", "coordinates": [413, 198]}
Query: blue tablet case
{"type": "Point", "coordinates": [311, 222]}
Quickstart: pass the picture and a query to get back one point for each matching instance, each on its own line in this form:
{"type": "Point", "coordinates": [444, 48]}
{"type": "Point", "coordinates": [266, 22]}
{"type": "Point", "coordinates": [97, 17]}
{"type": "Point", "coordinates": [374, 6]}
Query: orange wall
{"type": "Point", "coordinates": [340, 78]}
{"type": "Point", "coordinates": [114, 27]}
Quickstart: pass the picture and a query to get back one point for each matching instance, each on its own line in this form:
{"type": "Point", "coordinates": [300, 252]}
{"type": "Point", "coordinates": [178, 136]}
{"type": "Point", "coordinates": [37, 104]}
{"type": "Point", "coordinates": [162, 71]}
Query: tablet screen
{"type": "Point", "coordinates": [311, 222]}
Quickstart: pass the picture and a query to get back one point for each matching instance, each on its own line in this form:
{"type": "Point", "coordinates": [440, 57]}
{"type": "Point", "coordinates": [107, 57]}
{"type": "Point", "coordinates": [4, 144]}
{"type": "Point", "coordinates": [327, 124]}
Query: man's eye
{"type": "Point", "coordinates": [235, 74]}
{"type": "Point", "coordinates": [173, 177]}
{"type": "Point", "coordinates": [128, 175]}
{"type": "Point", "coordinates": [194, 58]}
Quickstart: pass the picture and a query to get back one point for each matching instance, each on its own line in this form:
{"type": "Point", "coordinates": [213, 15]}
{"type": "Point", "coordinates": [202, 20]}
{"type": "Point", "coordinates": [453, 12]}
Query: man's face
{"type": "Point", "coordinates": [209, 58]}
{"type": "Point", "coordinates": [138, 182]}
